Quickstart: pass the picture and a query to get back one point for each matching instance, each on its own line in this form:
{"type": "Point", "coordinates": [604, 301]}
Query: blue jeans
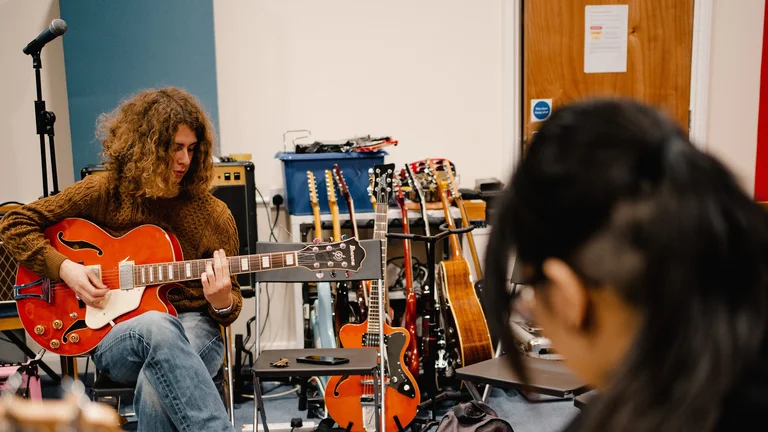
{"type": "Point", "coordinates": [172, 361]}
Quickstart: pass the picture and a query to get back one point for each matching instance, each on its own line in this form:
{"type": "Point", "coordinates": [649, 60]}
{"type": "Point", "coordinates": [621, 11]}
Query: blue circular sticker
{"type": "Point", "coordinates": [541, 110]}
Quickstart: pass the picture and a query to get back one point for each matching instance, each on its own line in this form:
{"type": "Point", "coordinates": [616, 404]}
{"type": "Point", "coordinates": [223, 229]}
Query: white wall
{"type": "Point", "coordinates": [427, 73]}
{"type": "Point", "coordinates": [20, 164]}
{"type": "Point", "coordinates": [737, 40]}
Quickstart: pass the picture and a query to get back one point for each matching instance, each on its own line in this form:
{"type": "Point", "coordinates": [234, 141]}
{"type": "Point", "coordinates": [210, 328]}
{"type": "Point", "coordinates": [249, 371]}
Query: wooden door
{"type": "Point", "coordinates": [658, 55]}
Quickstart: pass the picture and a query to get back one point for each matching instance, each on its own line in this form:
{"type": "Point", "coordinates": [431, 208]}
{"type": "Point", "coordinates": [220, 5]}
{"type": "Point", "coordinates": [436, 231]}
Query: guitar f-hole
{"type": "Point", "coordinates": [78, 244]}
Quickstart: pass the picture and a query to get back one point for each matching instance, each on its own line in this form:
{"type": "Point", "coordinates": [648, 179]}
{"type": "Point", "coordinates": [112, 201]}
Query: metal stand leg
{"type": "Point", "coordinates": [258, 405]}
{"type": "Point", "coordinates": [473, 391]}
{"type": "Point", "coordinates": [377, 399]}
{"type": "Point", "coordinates": [488, 387]}
{"type": "Point", "coordinates": [230, 380]}
{"type": "Point", "coordinates": [31, 354]}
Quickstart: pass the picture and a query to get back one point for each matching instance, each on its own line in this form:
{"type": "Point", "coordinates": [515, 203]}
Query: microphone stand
{"type": "Point", "coordinates": [44, 121]}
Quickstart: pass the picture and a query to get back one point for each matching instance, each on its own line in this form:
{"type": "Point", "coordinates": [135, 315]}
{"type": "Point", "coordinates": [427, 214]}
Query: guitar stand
{"type": "Point", "coordinates": [431, 316]}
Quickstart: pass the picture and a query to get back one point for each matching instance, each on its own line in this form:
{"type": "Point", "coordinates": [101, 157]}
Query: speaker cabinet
{"type": "Point", "coordinates": [233, 183]}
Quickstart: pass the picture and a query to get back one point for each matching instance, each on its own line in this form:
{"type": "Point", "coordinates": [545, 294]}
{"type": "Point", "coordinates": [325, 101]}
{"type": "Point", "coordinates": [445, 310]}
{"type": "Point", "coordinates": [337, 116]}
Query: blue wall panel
{"type": "Point", "coordinates": [114, 49]}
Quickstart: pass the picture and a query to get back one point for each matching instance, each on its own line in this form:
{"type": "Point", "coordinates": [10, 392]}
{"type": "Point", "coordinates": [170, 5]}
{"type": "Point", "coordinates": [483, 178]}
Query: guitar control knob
{"type": "Point", "coordinates": [74, 338]}
{"type": "Point", "coordinates": [57, 324]}
{"type": "Point", "coordinates": [55, 344]}
{"type": "Point", "coordinates": [39, 329]}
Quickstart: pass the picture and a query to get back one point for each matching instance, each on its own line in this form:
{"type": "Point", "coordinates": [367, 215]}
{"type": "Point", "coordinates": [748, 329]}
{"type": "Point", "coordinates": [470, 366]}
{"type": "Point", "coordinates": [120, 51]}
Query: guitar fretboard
{"type": "Point", "coordinates": [179, 271]}
{"type": "Point", "coordinates": [379, 233]}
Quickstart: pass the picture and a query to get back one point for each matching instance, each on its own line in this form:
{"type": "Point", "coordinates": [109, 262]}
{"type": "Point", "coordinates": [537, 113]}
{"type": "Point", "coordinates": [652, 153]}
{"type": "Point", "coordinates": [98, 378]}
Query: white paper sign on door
{"type": "Point", "coordinates": [605, 38]}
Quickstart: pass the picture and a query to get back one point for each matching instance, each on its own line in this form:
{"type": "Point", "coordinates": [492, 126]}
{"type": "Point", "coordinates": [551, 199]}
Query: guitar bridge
{"type": "Point", "coordinates": [45, 290]}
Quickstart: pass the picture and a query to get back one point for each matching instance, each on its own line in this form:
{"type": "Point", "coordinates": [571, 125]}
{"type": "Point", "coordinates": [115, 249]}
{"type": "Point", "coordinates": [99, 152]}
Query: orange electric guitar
{"type": "Point", "coordinates": [410, 315]}
{"type": "Point", "coordinates": [139, 268]}
{"type": "Point", "coordinates": [350, 399]}
{"type": "Point", "coordinates": [467, 319]}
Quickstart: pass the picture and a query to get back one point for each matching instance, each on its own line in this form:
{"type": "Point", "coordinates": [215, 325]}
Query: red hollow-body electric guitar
{"type": "Point", "coordinates": [140, 268]}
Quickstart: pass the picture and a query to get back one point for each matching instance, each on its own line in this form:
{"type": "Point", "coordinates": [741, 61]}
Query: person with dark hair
{"type": "Point", "coordinates": [158, 150]}
{"type": "Point", "coordinates": [645, 264]}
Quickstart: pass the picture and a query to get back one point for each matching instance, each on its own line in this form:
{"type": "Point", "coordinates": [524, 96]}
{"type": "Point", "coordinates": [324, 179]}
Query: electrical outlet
{"type": "Point", "coordinates": [275, 191]}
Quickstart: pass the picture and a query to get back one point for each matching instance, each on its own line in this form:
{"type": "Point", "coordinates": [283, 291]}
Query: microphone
{"type": "Point", "coordinates": [57, 28]}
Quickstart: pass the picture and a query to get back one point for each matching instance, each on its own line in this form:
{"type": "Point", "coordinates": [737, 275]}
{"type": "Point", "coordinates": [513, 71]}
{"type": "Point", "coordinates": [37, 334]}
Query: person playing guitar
{"type": "Point", "coordinates": [158, 149]}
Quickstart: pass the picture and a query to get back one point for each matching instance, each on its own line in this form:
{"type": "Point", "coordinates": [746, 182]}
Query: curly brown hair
{"type": "Point", "coordinates": [137, 140]}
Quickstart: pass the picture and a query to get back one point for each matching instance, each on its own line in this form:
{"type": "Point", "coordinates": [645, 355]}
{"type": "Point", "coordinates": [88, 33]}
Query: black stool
{"type": "Point", "coordinates": [362, 361]}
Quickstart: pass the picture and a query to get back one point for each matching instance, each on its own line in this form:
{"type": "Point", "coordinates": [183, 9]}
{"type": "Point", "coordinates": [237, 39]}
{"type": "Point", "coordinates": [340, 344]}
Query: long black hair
{"type": "Point", "coordinates": [616, 190]}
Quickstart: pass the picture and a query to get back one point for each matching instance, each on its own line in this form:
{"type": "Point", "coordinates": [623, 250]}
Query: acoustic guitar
{"type": "Point", "coordinates": [410, 315]}
{"type": "Point", "coordinates": [140, 268]}
{"type": "Point", "coordinates": [350, 399]}
{"type": "Point", "coordinates": [467, 321]}
{"type": "Point", "coordinates": [449, 170]}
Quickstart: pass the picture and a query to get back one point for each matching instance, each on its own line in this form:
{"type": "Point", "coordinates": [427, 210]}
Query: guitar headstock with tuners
{"type": "Point", "coordinates": [397, 182]}
{"type": "Point", "coordinates": [382, 183]}
{"type": "Point", "coordinates": [341, 255]}
{"type": "Point", "coordinates": [342, 184]}
{"type": "Point", "coordinates": [450, 171]}
{"type": "Point", "coordinates": [329, 188]}
{"type": "Point", "coordinates": [312, 190]}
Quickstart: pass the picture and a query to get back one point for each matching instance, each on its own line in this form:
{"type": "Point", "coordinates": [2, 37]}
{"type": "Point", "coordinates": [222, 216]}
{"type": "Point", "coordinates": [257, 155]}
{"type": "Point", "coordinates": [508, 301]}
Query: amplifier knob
{"type": "Point", "coordinates": [39, 329]}
{"type": "Point", "coordinates": [74, 338]}
{"type": "Point", "coordinates": [55, 344]}
{"type": "Point", "coordinates": [58, 324]}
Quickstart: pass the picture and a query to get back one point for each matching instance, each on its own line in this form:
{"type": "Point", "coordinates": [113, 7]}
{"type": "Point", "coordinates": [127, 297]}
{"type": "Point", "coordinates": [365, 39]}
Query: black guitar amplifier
{"type": "Point", "coordinates": [233, 183]}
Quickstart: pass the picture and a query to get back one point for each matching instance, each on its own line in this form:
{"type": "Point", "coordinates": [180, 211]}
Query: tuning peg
{"type": "Point", "coordinates": [343, 237]}
{"type": "Point", "coordinates": [330, 239]}
{"type": "Point", "coordinates": [316, 241]}
{"type": "Point", "coordinates": [346, 273]}
{"type": "Point", "coordinates": [333, 273]}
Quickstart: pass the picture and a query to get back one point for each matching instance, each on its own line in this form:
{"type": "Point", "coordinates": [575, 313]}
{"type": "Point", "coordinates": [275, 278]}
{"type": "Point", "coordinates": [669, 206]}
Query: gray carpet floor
{"type": "Point", "coordinates": [523, 415]}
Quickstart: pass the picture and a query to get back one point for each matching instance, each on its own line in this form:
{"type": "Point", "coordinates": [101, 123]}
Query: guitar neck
{"type": "Point", "coordinates": [180, 271]}
{"type": "Point", "coordinates": [453, 238]}
{"type": "Point", "coordinates": [352, 218]}
{"type": "Point", "coordinates": [406, 250]}
{"type": "Point", "coordinates": [379, 233]}
{"type": "Point", "coordinates": [335, 220]}
{"type": "Point", "coordinates": [470, 238]}
{"type": "Point", "coordinates": [318, 221]}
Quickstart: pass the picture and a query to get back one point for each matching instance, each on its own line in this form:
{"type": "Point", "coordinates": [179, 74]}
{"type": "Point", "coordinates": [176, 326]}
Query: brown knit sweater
{"type": "Point", "coordinates": [202, 225]}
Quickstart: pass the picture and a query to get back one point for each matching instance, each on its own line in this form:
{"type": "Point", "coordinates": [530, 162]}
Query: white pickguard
{"type": "Point", "coordinates": [369, 417]}
{"type": "Point", "coordinates": [118, 302]}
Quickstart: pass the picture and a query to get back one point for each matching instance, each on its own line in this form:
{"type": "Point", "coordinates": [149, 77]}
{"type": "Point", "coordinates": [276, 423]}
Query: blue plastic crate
{"type": "Point", "coordinates": [354, 167]}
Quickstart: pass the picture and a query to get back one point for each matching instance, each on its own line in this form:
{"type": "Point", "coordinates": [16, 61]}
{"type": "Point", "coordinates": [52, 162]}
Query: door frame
{"type": "Point", "coordinates": [512, 79]}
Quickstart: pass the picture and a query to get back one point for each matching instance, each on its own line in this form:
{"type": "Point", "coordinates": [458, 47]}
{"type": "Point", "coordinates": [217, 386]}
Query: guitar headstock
{"type": "Point", "coordinates": [312, 189]}
{"type": "Point", "coordinates": [414, 183]}
{"type": "Point", "coordinates": [382, 182]}
{"type": "Point", "coordinates": [450, 170]}
{"type": "Point", "coordinates": [397, 182]}
{"type": "Point", "coordinates": [346, 255]}
{"type": "Point", "coordinates": [330, 189]}
{"type": "Point", "coordinates": [342, 184]}
{"type": "Point", "coordinates": [371, 196]}
{"type": "Point", "coordinates": [432, 171]}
